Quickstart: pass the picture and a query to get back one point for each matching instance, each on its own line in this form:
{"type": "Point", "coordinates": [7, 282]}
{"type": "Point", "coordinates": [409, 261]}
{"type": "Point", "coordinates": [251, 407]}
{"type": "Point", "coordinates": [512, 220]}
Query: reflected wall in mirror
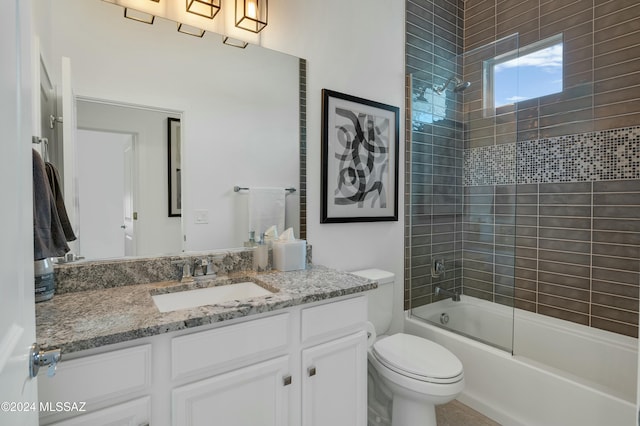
{"type": "Point", "coordinates": [239, 111]}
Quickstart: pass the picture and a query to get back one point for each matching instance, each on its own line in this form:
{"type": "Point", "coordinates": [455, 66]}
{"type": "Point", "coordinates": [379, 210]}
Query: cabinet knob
{"type": "Point", "coordinates": [286, 380]}
{"type": "Point", "coordinates": [311, 371]}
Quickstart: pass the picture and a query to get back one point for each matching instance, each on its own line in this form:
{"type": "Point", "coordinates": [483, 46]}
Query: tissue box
{"type": "Point", "coordinates": [289, 255]}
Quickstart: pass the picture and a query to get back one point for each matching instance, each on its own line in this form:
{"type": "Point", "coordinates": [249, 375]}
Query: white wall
{"type": "Point", "coordinates": [354, 47]}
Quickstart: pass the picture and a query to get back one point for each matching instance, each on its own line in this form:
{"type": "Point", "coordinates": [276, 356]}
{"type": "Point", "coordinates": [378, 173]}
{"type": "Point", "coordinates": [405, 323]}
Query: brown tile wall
{"type": "Point", "coordinates": [569, 250]}
{"type": "Point", "coordinates": [434, 151]}
{"type": "Point", "coordinates": [581, 261]}
{"type": "Point", "coordinates": [576, 253]}
{"type": "Point", "coordinates": [601, 65]}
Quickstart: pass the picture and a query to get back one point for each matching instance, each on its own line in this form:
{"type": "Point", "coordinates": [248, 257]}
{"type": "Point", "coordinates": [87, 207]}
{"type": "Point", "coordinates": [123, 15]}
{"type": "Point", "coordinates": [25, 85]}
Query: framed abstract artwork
{"type": "Point", "coordinates": [360, 147]}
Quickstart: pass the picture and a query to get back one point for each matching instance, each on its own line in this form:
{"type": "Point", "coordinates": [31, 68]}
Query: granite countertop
{"type": "Point", "coordinates": [88, 319]}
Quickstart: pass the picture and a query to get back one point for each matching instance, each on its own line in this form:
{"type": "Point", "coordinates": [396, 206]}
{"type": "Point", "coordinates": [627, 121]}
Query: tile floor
{"type": "Point", "coordinates": [456, 413]}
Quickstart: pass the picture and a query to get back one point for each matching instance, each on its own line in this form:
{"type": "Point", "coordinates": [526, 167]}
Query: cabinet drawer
{"type": "Point", "coordinates": [230, 346]}
{"type": "Point", "coordinates": [97, 378]}
{"type": "Point", "coordinates": [133, 413]}
{"type": "Point", "coordinates": [332, 318]}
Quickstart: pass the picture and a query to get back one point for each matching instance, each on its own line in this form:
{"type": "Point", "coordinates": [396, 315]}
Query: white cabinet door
{"type": "Point", "coordinates": [334, 388]}
{"type": "Point", "coordinates": [251, 396]}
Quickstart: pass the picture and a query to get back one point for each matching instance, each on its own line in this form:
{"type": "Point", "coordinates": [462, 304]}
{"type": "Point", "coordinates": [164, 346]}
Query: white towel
{"type": "Point", "coordinates": [266, 208]}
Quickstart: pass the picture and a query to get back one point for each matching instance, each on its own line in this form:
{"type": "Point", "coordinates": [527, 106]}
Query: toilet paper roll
{"type": "Point", "coordinates": [371, 333]}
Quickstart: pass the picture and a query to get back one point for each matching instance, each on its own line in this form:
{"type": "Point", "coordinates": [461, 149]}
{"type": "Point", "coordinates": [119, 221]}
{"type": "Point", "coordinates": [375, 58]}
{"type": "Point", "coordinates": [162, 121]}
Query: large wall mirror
{"type": "Point", "coordinates": [239, 126]}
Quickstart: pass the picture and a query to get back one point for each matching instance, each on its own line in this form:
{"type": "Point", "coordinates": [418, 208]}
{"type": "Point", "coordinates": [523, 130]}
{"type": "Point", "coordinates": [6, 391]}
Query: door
{"type": "Point", "coordinates": [17, 318]}
{"type": "Point", "coordinates": [129, 204]}
{"type": "Point", "coordinates": [105, 179]}
{"type": "Point", "coordinates": [334, 388]}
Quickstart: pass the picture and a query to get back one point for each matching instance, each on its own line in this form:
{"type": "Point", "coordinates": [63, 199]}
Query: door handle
{"type": "Point", "coordinates": [40, 358]}
{"type": "Point", "coordinates": [123, 226]}
{"type": "Point", "coordinates": [311, 371]}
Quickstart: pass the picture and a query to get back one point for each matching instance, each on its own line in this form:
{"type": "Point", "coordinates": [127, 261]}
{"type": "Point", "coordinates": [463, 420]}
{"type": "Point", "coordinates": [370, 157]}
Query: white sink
{"type": "Point", "coordinates": [208, 296]}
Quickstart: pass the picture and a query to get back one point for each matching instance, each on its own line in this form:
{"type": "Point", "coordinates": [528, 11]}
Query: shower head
{"type": "Point", "coordinates": [460, 85]}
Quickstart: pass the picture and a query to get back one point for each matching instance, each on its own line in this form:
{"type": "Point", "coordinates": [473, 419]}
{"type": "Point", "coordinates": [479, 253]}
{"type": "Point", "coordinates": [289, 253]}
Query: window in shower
{"type": "Point", "coordinates": [526, 73]}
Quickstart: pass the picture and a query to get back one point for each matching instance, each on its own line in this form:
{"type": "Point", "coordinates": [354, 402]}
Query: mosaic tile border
{"type": "Point", "coordinates": [490, 165]}
{"type": "Point", "coordinates": [588, 157]}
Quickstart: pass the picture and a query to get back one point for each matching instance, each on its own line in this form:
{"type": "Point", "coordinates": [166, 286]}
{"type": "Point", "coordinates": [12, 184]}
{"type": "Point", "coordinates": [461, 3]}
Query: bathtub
{"type": "Point", "coordinates": [560, 373]}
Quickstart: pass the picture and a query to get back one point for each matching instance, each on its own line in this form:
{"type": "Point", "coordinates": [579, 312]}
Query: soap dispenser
{"type": "Point", "coordinates": [261, 255]}
{"type": "Point", "coordinates": [252, 239]}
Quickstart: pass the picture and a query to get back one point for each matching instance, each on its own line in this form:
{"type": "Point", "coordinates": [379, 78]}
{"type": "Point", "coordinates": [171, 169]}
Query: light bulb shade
{"type": "Point", "coordinates": [204, 8]}
{"type": "Point", "coordinates": [251, 15]}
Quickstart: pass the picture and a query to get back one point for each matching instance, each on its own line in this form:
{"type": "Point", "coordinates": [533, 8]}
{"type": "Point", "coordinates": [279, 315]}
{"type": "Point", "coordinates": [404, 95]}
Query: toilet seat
{"type": "Point", "coordinates": [418, 358]}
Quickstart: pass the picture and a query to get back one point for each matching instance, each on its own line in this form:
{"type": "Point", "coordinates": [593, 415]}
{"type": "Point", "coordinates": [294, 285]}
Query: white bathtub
{"type": "Point", "coordinates": [561, 373]}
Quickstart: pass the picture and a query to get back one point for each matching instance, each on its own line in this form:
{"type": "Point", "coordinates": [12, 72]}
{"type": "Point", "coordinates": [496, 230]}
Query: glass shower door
{"type": "Point", "coordinates": [462, 200]}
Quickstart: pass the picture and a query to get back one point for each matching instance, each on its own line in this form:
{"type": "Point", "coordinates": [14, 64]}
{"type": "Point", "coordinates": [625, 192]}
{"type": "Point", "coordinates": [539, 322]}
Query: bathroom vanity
{"type": "Point", "coordinates": [294, 357]}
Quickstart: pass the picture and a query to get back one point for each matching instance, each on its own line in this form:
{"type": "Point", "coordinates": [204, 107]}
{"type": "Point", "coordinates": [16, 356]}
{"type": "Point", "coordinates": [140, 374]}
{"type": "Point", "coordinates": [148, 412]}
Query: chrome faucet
{"type": "Point", "coordinates": [185, 269]}
{"type": "Point", "coordinates": [203, 268]}
{"type": "Point", "coordinates": [199, 265]}
{"type": "Point", "coordinates": [454, 295]}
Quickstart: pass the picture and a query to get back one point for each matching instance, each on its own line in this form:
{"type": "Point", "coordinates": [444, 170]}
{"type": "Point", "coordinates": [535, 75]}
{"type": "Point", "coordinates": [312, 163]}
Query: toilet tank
{"type": "Point", "coordinates": [381, 299]}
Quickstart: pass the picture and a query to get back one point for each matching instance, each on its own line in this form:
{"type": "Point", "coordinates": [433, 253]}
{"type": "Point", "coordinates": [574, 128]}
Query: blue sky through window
{"type": "Point", "coordinates": [529, 76]}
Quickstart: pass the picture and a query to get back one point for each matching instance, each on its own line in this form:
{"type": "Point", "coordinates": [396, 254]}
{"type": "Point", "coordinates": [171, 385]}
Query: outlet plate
{"type": "Point", "coordinates": [201, 216]}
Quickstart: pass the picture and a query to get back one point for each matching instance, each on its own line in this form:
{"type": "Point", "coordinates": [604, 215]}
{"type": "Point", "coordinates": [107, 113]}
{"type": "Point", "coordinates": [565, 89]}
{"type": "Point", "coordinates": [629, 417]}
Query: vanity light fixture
{"type": "Point", "coordinates": [192, 31]}
{"type": "Point", "coordinates": [204, 8]}
{"type": "Point", "coordinates": [136, 15]}
{"type": "Point", "coordinates": [234, 42]}
{"type": "Point", "coordinates": [251, 15]}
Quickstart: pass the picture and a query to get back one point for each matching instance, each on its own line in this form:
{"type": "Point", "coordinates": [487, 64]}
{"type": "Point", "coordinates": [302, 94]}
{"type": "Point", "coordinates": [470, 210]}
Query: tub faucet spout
{"type": "Point", "coordinates": [454, 295]}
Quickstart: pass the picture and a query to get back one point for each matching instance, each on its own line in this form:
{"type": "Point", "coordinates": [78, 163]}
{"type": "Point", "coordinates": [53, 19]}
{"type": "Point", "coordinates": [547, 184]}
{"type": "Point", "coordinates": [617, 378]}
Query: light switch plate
{"type": "Point", "coordinates": [202, 216]}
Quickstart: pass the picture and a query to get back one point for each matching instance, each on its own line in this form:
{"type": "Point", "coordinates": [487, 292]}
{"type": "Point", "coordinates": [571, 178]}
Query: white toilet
{"type": "Point", "coordinates": [415, 373]}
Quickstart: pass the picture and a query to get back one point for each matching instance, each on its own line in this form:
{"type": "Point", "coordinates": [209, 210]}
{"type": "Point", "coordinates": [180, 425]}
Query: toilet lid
{"type": "Point", "coordinates": [417, 357]}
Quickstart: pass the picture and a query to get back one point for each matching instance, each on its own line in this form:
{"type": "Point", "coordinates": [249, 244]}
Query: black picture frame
{"type": "Point", "coordinates": [360, 151]}
{"type": "Point", "coordinates": [174, 165]}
